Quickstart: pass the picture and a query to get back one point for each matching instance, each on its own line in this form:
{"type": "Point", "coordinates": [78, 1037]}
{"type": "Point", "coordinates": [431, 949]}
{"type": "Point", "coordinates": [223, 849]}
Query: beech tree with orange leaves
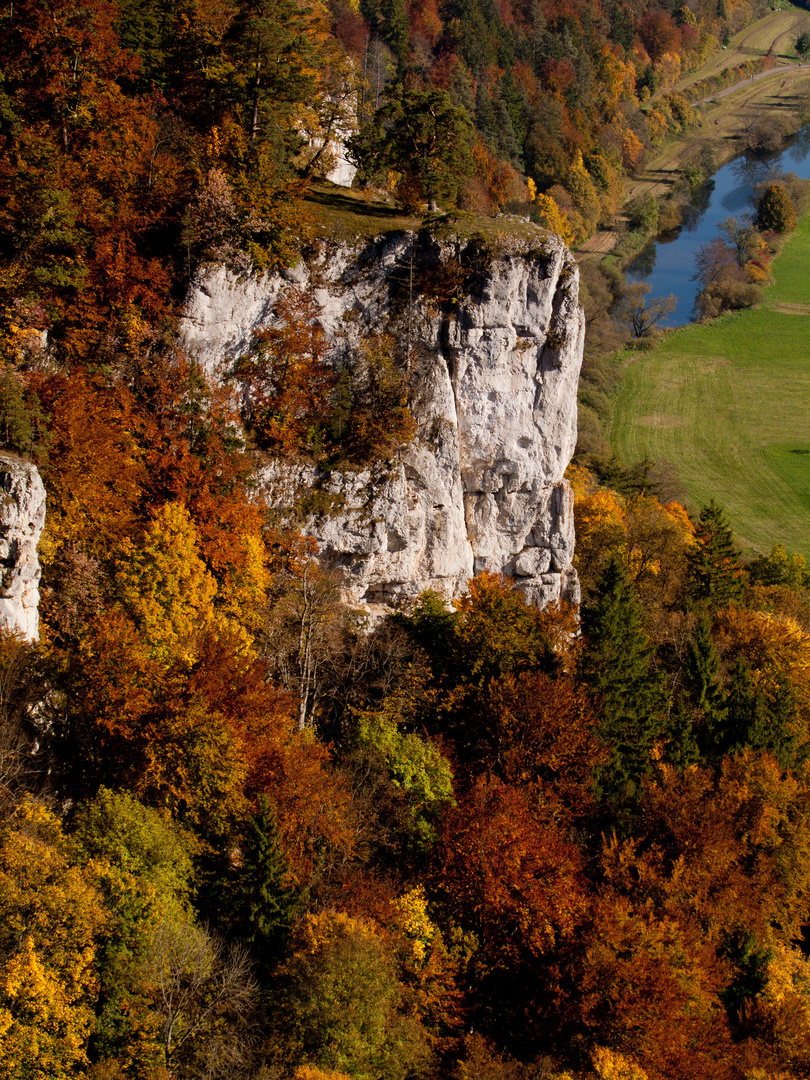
{"type": "Point", "coordinates": [508, 874]}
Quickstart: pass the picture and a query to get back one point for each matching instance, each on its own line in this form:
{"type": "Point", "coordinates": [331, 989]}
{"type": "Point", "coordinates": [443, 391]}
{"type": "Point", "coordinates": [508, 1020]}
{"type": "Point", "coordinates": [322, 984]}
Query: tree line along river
{"type": "Point", "coordinates": [667, 264]}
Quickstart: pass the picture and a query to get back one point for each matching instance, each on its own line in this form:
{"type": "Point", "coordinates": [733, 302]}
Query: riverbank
{"type": "Point", "coordinates": [783, 94]}
{"type": "Point", "coordinates": [725, 403]}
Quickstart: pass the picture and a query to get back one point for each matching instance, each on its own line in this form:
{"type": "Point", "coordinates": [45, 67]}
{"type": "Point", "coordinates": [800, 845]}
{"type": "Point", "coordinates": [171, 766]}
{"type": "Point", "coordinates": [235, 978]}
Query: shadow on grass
{"type": "Point", "coordinates": [335, 200]}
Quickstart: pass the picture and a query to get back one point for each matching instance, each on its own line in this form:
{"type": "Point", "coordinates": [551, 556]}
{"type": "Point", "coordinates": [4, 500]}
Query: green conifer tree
{"type": "Point", "coordinates": [263, 902]}
{"type": "Point", "coordinates": [754, 721]}
{"type": "Point", "coordinates": [423, 135]}
{"type": "Point", "coordinates": [616, 667]}
{"type": "Point", "coordinates": [715, 572]}
{"type": "Point", "coordinates": [274, 52]}
{"type": "Point", "coordinates": [683, 749]}
{"type": "Point", "coordinates": [395, 29]}
{"type": "Point", "coordinates": [485, 120]}
{"type": "Point", "coordinates": [22, 421]}
{"type": "Point", "coordinates": [706, 687]}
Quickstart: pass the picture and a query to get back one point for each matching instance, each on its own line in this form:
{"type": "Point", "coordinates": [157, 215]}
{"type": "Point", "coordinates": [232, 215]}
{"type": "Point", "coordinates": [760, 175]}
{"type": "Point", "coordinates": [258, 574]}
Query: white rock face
{"type": "Point", "coordinates": [343, 170]}
{"type": "Point", "coordinates": [493, 390]}
{"type": "Point", "coordinates": [22, 517]}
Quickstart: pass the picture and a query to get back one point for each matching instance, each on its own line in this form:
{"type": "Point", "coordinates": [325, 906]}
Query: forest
{"type": "Point", "coordinates": [244, 835]}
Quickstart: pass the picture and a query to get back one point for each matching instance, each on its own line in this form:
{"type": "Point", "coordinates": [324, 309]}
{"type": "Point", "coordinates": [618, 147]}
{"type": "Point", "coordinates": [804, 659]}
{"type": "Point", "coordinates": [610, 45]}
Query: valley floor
{"type": "Point", "coordinates": [726, 403]}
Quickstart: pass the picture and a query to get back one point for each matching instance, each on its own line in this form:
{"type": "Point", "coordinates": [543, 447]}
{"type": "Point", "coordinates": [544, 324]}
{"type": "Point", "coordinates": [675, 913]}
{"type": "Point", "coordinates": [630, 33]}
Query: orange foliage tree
{"type": "Point", "coordinates": [289, 381]}
{"type": "Point", "coordinates": [505, 871]}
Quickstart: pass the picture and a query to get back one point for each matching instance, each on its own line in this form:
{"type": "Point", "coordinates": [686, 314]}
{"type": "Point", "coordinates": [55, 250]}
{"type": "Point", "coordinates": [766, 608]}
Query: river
{"type": "Point", "coordinates": [668, 263]}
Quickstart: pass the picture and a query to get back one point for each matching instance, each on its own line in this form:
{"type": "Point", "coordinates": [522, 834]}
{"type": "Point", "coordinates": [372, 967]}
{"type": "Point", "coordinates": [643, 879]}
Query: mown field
{"type": "Point", "coordinates": [728, 404]}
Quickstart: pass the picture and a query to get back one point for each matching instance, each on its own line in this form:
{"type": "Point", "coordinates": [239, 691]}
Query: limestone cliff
{"type": "Point", "coordinates": [493, 375]}
{"type": "Point", "coordinates": [22, 516]}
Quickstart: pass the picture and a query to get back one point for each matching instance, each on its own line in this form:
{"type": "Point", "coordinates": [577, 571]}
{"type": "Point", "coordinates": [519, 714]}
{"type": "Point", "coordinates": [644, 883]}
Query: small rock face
{"type": "Point", "coordinates": [22, 517]}
{"type": "Point", "coordinates": [493, 390]}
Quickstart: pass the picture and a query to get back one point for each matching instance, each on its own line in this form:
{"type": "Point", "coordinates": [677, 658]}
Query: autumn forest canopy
{"type": "Point", "coordinates": [244, 834]}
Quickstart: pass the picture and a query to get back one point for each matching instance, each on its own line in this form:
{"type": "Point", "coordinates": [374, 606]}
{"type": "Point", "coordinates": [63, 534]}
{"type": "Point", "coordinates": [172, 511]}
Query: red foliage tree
{"type": "Point", "coordinates": [505, 871]}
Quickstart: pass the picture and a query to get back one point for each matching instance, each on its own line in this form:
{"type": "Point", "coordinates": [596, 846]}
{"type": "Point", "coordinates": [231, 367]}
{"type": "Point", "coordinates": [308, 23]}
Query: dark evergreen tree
{"type": "Point", "coordinates": [461, 90]}
{"type": "Point", "coordinates": [580, 93]}
{"type": "Point", "coordinates": [622, 27]}
{"type": "Point", "coordinates": [149, 31]}
{"type": "Point", "coordinates": [715, 571]}
{"type": "Point", "coordinates": [616, 667]}
{"type": "Point", "coordinates": [757, 723]}
{"type": "Point", "coordinates": [513, 98]}
{"type": "Point", "coordinates": [262, 903]}
{"type": "Point", "coordinates": [683, 749]}
{"type": "Point", "coordinates": [370, 10]}
{"type": "Point", "coordinates": [537, 29]}
{"type": "Point", "coordinates": [749, 972]}
{"type": "Point", "coordinates": [394, 29]}
{"type": "Point", "coordinates": [22, 421]}
{"type": "Point", "coordinates": [705, 688]}
{"type": "Point", "coordinates": [507, 143]}
{"type": "Point", "coordinates": [274, 52]}
{"type": "Point", "coordinates": [485, 119]}
{"type": "Point", "coordinates": [423, 135]}
{"type": "Point", "coordinates": [434, 629]}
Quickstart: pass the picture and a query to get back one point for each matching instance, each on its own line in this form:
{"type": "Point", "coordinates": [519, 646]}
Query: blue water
{"type": "Point", "coordinates": [667, 264]}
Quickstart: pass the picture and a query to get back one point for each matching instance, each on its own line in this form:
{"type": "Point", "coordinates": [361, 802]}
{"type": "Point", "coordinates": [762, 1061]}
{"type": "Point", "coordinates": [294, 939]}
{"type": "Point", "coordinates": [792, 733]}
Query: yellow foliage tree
{"type": "Point", "coordinates": [341, 1001]}
{"type": "Point", "coordinates": [668, 69]}
{"type": "Point", "coordinates": [429, 968]}
{"type": "Point", "coordinates": [312, 1072]}
{"type": "Point", "coordinates": [775, 647]}
{"type": "Point", "coordinates": [414, 921]}
{"type": "Point", "coordinates": [164, 584]}
{"type": "Point", "coordinates": [617, 80]}
{"type": "Point", "coordinates": [583, 192]}
{"type": "Point", "coordinates": [599, 524]}
{"type": "Point", "coordinates": [632, 150]}
{"type": "Point", "coordinates": [243, 600]}
{"type": "Point", "coordinates": [50, 916]}
{"type": "Point", "coordinates": [658, 125]}
{"type": "Point", "coordinates": [612, 1066]}
{"type": "Point", "coordinates": [553, 218]}
{"type": "Point", "coordinates": [651, 539]}
{"type": "Point", "coordinates": [782, 1011]}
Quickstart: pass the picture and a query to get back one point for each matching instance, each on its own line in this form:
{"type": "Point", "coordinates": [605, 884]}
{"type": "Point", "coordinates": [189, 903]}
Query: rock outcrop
{"type": "Point", "coordinates": [494, 345]}
{"type": "Point", "coordinates": [22, 517]}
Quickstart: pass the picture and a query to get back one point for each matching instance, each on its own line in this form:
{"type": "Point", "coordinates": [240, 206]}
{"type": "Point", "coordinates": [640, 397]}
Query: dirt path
{"type": "Point", "coordinates": [754, 78]}
{"type": "Point", "coordinates": [774, 35]}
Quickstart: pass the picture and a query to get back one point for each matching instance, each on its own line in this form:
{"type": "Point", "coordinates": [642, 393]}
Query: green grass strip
{"type": "Point", "coordinates": [728, 404]}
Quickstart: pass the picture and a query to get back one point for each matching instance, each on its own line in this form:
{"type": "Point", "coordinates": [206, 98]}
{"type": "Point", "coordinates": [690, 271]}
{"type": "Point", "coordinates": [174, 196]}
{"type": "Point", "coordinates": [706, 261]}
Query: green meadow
{"type": "Point", "coordinates": [728, 404]}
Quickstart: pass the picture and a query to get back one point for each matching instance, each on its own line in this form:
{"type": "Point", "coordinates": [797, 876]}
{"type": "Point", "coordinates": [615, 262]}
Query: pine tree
{"type": "Point", "coordinates": [706, 687]}
{"type": "Point", "coordinates": [274, 50]}
{"type": "Point", "coordinates": [485, 120]}
{"type": "Point", "coordinates": [423, 135]}
{"type": "Point", "coordinates": [616, 667]}
{"type": "Point", "coordinates": [395, 29]}
{"type": "Point", "coordinates": [715, 573]}
{"type": "Point", "coordinates": [263, 902]}
{"type": "Point", "coordinates": [754, 721]}
{"type": "Point", "coordinates": [22, 421]}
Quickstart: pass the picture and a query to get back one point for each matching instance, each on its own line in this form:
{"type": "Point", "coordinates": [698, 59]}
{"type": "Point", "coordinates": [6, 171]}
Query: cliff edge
{"type": "Point", "coordinates": [494, 346]}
